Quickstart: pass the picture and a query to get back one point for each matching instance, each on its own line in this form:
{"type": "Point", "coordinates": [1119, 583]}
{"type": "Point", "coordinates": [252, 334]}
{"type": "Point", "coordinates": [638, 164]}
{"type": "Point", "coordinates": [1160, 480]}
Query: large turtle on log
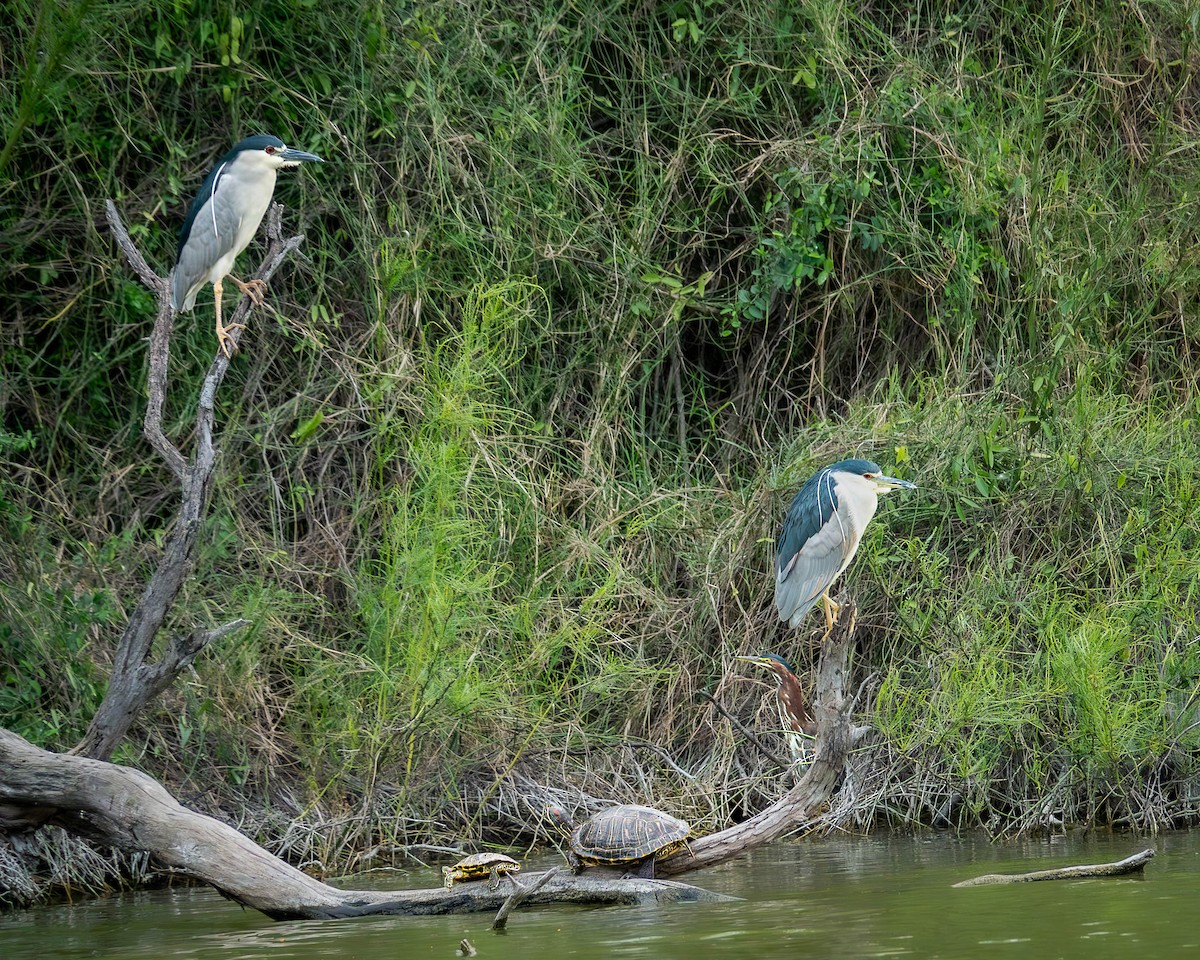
{"type": "Point", "coordinates": [627, 835]}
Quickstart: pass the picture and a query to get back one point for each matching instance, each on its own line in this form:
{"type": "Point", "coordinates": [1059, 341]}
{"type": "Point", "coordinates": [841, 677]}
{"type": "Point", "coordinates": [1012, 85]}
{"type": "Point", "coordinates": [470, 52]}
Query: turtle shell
{"type": "Point", "coordinates": [627, 833]}
{"type": "Point", "coordinates": [479, 866]}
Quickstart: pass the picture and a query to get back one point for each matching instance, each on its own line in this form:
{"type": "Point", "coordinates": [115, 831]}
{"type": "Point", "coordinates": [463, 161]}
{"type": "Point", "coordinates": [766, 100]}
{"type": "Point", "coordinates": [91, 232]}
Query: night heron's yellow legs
{"type": "Point", "coordinates": [831, 611]}
{"type": "Point", "coordinates": [254, 289]}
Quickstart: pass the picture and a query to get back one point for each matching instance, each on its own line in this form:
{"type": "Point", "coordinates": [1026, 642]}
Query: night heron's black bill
{"type": "Point", "coordinates": [894, 482]}
{"type": "Point", "coordinates": [296, 156]}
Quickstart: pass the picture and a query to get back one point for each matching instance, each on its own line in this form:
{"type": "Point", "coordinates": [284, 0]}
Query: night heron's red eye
{"type": "Point", "coordinates": [270, 150]}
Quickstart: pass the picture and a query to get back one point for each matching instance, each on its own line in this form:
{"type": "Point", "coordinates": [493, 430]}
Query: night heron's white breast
{"type": "Point", "coordinates": [225, 223]}
{"type": "Point", "coordinates": [857, 501]}
{"type": "Point", "coordinates": [246, 187]}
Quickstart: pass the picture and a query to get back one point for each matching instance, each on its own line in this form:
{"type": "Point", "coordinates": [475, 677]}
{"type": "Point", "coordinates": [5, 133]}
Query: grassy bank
{"type": "Point", "coordinates": [589, 291]}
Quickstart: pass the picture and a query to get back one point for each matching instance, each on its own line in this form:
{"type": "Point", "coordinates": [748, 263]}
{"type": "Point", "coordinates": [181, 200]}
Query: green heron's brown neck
{"type": "Point", "coordinates": [793, 707]}
{"type": "Point", "coordinates": [794, 710]}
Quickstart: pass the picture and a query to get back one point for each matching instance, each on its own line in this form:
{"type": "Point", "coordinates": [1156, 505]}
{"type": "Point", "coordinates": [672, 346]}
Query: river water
{"type": "Point", "coordinates": [882, 896]}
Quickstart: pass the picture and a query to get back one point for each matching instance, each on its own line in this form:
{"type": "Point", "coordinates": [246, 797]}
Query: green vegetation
{"type": "Point", "coordinates": [588, 291]}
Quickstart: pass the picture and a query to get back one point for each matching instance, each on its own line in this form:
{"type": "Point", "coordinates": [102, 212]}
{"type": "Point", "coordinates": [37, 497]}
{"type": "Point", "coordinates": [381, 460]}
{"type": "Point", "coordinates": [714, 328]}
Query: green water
{"type": "Point", "coordinates": [857, 897]}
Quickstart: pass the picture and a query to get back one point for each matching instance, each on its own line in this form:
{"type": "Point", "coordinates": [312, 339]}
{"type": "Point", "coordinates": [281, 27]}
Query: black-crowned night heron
{"type": "Point", "coordinates": [799, 724]}
{"type": "Point", "coordinates": [821, 532]}
{"type": "Point", "coordinates": [223, 220]}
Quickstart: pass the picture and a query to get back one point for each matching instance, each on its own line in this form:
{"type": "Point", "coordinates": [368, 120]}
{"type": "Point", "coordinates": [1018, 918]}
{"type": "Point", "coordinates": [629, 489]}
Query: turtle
{"type": "Point", "coordinates": [627, 835]}
{"type": "Point", "coordinates": [479, 866]}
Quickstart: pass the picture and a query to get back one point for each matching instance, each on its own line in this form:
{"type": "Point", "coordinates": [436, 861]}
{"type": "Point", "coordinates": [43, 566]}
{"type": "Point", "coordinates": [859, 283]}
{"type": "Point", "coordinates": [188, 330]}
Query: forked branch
{"type": "Point", "coordinates": [135, 680]}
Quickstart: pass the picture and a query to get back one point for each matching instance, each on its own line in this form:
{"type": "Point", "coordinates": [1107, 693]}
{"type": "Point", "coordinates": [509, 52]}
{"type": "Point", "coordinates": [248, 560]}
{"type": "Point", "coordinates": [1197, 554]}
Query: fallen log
{"type": "Point", "coordinates": [1120, 868]}
{"type": "Point", "coordinates": [128, 809]}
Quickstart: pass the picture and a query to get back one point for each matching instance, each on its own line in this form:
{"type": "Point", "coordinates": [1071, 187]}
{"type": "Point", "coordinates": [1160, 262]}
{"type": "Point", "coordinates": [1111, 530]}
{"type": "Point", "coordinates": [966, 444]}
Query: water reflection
{"type": "Point", "coordinates": [851, 898]}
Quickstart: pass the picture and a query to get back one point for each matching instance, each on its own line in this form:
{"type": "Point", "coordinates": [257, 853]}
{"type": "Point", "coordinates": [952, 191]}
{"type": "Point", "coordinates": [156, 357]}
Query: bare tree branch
{"type": "Point", "coordinates": [181, 654]}
{"type": "Point", "coordinates": [158, 285]}
{"type": "Point", "coordinates": [160, 342]}
{"type": "Point", "coordinates": [134, 681]}
{"type": "Point", "coordinates": [521, 893]}
{"type": "Point", "coordinates": [1121, 868]}
{"type": "Point", "coordinates": [812, 792]}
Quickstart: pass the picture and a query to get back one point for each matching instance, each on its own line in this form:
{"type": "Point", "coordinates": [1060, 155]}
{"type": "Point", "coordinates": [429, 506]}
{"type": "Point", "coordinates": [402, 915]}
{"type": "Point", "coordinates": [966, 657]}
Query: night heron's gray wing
{"type": "Point", "coordinates": [814, 546]}
{"type": "Point", "coordinates": [208, 234]}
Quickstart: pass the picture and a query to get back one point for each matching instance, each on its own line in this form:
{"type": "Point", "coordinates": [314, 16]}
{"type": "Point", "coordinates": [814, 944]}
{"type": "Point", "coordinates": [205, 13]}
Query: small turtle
{"type": "Point", "coordinates": [479, 866]}
{"type": "Point", "coordinates": [627, 835]}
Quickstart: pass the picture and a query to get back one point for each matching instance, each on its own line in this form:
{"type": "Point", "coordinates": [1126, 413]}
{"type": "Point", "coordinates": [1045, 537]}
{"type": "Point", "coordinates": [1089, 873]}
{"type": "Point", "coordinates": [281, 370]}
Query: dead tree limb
{"type": "Point", "coordinates": [1134, 864]}
{"type": "Point", "coordinates": [129, 810]}
{"type": "Point", "coordinates": [135, 681]}
{"type": "Point", "coordinates": [521, 893]}
{"type": "Point", "coordinates": [160, 343]}
{"type": "Point", "coordinates": [813, 791]}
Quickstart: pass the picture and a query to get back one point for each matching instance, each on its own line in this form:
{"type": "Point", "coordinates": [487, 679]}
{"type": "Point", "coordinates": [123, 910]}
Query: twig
{"type": "Point", "coordinates": [858, 732]}
{"type": "Point", "coordinates": [520, 892]}
{"type": "Point", "coordinates": [662, 754]}
{"type": "Point", "coordinates": [743, 729]}
{"type": "Point", "coordinates": [862, 688]}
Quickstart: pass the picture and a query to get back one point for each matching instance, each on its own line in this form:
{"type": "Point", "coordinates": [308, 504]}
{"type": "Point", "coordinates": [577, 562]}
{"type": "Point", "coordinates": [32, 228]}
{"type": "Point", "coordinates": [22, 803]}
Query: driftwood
{"type": "Point", "coordinates": [1134, 864]}
{"type": "Point", "coordinates": [129, 810]}
{"type": "Point", "coordinates": [521, 893]}
{"type": "Point", "coordinates": [126, 808]}
{"type": "Point", "coordinates": [135, 681]}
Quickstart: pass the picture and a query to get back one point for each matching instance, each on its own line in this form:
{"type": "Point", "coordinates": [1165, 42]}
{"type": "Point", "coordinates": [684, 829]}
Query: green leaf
{"type": "Point", "coordinates": [305, 431]}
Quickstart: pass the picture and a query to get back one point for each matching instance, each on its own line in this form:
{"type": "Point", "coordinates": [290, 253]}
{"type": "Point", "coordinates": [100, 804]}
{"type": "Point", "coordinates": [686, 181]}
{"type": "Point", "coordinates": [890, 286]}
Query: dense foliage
{"type": "Point", "coordinates": [589, 289]}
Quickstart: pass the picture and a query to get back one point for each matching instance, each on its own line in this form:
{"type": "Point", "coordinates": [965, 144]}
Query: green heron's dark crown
{"type": "Point", "coordinates": [778, 659]}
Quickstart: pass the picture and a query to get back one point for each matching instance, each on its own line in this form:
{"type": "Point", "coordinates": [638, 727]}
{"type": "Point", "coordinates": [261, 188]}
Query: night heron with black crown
{"type": "Point", "coordinates": [821, 533]}
{"type": "Point", "coordinates": [223, 220]}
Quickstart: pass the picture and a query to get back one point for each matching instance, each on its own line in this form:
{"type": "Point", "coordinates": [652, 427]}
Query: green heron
{"type": "Point", "coordinates": [799, 724]}
{"type": "Point", "coordinates": [821, 532]}
{"type": "Point", "coordinates": [223, 220]}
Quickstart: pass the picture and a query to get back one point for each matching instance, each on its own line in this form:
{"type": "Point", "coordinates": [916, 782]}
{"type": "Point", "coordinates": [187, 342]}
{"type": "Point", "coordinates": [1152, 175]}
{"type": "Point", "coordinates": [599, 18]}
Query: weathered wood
{"type": "Point", "coordinates": [127, 809]}
{"type": "Point", "coordinates": [134, 681]}
{"type": "Point", "coordinates": [160, 341]}
{"type": "Point", "coordinates": [1133, 864]}
{"type": "Point", "coordinates": [521, 893]}
{"type": "Point", "coordinates": [813, 790]}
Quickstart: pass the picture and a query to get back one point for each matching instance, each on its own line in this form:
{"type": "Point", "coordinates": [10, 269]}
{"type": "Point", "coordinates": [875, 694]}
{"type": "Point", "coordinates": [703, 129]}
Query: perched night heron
{"type": "Point", "coordinates": [821, 532]}
{"type": "Point", "coordinates": [799, 724]}
{"type": "Point", "coordinates": [223, 220]}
